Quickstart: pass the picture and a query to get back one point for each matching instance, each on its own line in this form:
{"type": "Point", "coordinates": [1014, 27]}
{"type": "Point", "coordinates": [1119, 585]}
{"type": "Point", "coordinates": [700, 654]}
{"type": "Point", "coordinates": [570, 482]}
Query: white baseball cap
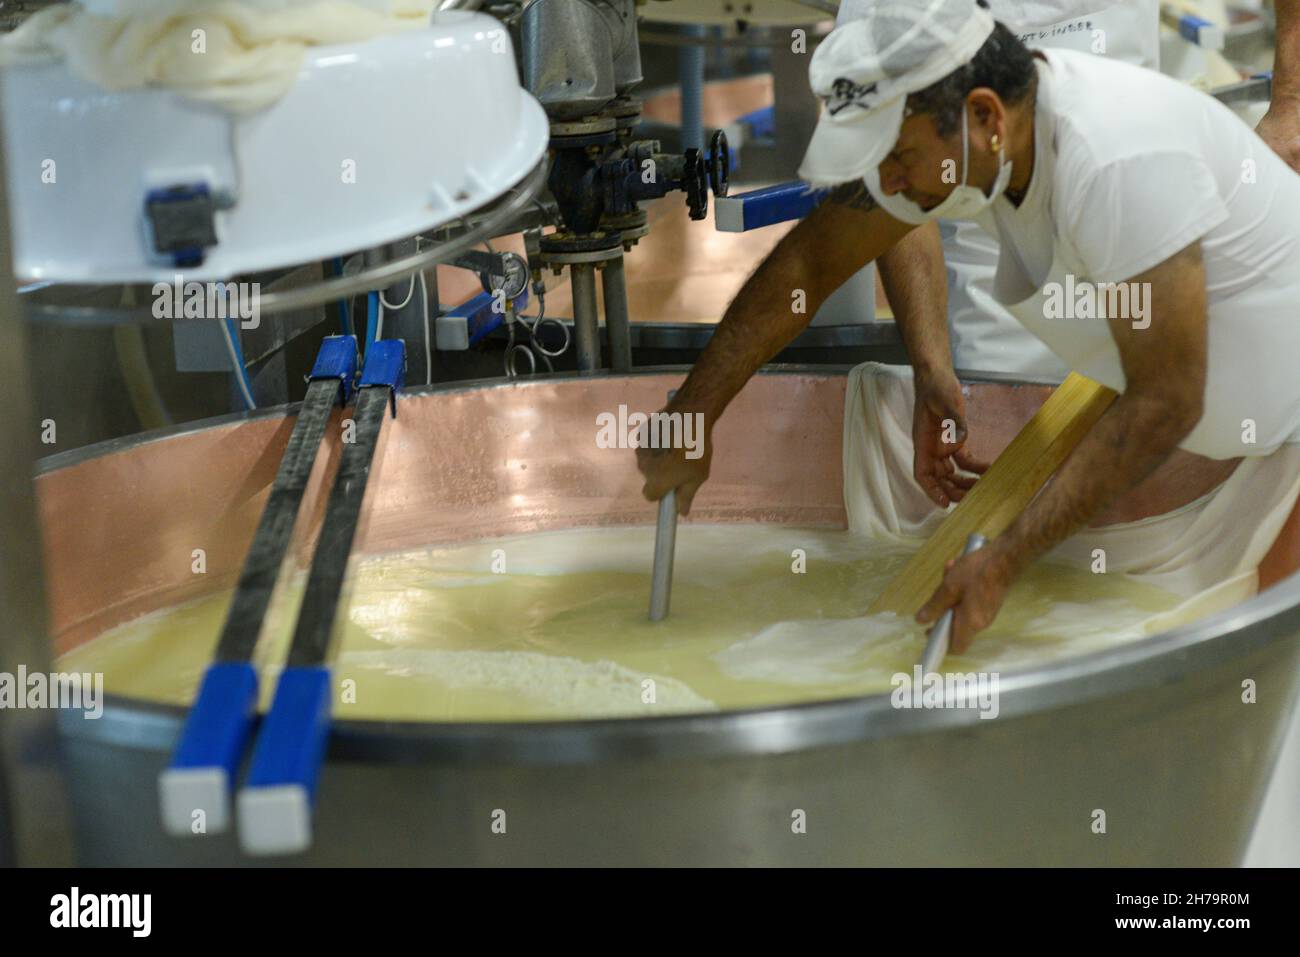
{"type": "Point", "coordinates": [864, 71]}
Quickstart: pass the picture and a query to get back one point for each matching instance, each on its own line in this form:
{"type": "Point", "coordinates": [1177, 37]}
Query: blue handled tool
{"type": "Point", "coordinates": [275, 804]}
{"type": "Point", "coordinates": [194, 791]}
{"type": "Point", "coordinates": [764, 207]}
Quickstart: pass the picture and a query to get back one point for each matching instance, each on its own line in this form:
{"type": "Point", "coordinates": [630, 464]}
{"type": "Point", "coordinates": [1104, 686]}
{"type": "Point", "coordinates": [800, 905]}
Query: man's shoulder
{"type": "Point", "coordinates": [1106, 111]}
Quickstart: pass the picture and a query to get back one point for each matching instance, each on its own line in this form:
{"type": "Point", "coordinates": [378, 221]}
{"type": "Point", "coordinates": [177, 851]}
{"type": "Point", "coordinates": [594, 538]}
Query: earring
{"type": "Point", "coordinates": [995, 143]}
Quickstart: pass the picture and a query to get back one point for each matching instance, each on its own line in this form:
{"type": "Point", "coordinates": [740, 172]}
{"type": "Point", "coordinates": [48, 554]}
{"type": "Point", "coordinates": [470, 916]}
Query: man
{"type": "Point", "coordinates": [1087, 170]}
{"type": "Point", "coordinates": [983, 335]}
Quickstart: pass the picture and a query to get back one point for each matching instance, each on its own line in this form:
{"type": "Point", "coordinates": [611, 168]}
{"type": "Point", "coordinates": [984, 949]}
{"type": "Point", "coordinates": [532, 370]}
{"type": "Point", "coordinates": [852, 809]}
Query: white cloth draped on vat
{"type": "Point", "coordinates": [1206, 552]}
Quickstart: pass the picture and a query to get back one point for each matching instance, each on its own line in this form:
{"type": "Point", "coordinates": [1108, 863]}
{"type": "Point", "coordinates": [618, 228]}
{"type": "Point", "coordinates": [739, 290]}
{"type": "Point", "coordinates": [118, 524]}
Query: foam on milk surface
{"type": "Point", "coordinates": [439, 635]}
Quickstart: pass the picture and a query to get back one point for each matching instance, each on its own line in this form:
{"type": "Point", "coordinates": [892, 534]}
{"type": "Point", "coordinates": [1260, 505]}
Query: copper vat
{"type": "Point", "coordinates": [1154, 733]}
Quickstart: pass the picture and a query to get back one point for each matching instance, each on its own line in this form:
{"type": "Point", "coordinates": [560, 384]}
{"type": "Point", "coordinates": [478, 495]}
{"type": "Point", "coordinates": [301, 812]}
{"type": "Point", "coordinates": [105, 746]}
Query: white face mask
{"type": "Point", "coordinates": [964, 202]}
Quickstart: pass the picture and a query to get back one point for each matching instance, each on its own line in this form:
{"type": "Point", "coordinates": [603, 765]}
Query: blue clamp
{"type": "Point", "coordinates": [761, 123]}
{"type": "Point", "coordinates": [386, 367]}
{"type": "Point", "coordinates": [337, 359]}
{"type": "Point", "coordinates": [481, 316]}
{"type": "Point", "coordinates": [1203, 33]}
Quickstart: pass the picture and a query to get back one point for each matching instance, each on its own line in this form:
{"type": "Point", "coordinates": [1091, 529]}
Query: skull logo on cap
{"type": "Point", "coordinates": [845, 93]}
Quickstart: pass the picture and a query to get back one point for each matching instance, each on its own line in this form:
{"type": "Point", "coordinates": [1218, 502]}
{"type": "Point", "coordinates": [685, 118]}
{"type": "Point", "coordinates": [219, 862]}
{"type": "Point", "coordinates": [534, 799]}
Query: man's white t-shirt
{"type": "Point", "coordinates": [983, 335]}
{"type": "Point", "coordinates": [1131, 167]}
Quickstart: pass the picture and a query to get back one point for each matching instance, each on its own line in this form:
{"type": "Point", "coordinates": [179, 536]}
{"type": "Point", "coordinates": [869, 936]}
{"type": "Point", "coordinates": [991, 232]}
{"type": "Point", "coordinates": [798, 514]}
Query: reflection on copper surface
{"type": "Point", "coordinates": [120, 530]}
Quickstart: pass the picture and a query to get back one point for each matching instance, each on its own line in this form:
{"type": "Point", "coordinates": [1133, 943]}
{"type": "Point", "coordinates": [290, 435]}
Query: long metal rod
{"type": "Point", "coordinates": [613, 279]}
{"type": "Point", "coordinates": [661, 576]}
{"type": "Point", "coordinates": [661, 582]}
{"type": "Point", "coordinates": [936, 644]}
{"type": "Point", "coordinates": [586, 321]}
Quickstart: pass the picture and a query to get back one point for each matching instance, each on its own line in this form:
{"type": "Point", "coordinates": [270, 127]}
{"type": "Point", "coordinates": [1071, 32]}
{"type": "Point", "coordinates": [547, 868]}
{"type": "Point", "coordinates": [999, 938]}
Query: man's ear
{"type": "Point", "coordinates": [988, 114]}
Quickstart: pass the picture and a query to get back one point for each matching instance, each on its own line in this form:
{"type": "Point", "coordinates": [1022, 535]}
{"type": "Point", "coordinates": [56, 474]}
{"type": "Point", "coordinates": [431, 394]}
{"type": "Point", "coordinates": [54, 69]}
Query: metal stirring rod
{"type": "Point", "coordinates": [936, 644]}
{"type": "Point", "coordinates": [661, 583]}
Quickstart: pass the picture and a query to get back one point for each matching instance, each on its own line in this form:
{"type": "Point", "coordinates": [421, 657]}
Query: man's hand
{"type": "Point", "coordinates": [974, 586]}
{"type": "Point", "coordinates": [939, 438]}
{"type": "Point", "coordinates": [834, 241]}
{"type": "Point", "coordinates": [1164, 362]}
{"type": "Point", "coordinates": [1280, 129]}
{"type": "Point", "coordinates": [668, 469]}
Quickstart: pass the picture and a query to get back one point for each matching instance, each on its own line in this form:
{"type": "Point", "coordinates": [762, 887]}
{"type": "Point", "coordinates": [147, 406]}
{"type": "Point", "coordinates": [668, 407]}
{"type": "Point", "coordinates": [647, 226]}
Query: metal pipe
{"type": "Point", "coordinates": [613, 281]}
{"type": "Point", "coordinates": [936, 644]}
{"type": "Point", "coordinates": [586, 326]}
{"type": "Point", "coordinates": [661, 582]}
{"type": "Point", "coordinates": [35, 824]}
{"type": "Point", "coordinates": [661, 577]}
{"type": "Point", "coordinates": [690, 68]}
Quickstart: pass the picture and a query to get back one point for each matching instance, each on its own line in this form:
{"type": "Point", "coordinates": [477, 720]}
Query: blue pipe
{"type": "Point", "coordinates": [690, 67]}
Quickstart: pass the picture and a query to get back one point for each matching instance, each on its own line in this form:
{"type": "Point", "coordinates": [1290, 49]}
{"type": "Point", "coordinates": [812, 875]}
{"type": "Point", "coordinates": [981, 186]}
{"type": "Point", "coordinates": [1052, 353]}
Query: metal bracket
{"type": "Point", "coordinates": [182, 219]}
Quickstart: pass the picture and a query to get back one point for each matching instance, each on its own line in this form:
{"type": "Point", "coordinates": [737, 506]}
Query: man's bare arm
{"type": "Point", "coordinates": [834, 241]}
{"type": "Point", "coordinates": [1165, 368]}
{"type": "Point", "coordinates": [1280, 127]}
{"type": "Point", "coordinates": [913, 275]}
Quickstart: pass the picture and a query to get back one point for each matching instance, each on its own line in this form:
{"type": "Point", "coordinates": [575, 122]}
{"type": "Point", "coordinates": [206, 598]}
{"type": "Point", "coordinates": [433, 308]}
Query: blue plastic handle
{"type": "Point", "coordinates": [221, 720]}
{"type": "Point", "coordinates": [764, 207]}
{"type": "Point", "coordinates": [291, 744]}
{"type": "Point", "coordinates": [194, 791]}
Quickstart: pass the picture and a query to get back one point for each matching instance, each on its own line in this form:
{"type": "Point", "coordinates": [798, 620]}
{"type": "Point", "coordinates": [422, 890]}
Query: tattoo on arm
{"type": "Point", "coordinates": [852, 194]}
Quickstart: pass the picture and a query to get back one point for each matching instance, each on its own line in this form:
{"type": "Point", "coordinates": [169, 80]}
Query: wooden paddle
{"type": "Point", "coordinates": [1004, 491]}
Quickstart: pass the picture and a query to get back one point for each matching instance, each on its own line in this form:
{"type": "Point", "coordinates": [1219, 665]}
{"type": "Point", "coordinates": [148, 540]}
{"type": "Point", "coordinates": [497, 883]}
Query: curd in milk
{"type": "Point", "coordinates": [554, 626]}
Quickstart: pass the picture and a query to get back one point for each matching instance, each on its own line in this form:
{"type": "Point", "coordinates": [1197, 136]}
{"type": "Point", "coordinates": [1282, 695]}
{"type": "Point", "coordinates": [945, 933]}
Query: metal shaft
{"type": "Point", "coordinates": [936, 644]}
{"type": "Point", "coordinates": [613, 279]}
{"type": "Point", "coordinates": [661, 584]}
{"type": "Point", "coordinates": [586, 325]}
{"type": "Point", "coordinates": [661, 581]}
{"type": "Point", "coordinates": [35, 814]}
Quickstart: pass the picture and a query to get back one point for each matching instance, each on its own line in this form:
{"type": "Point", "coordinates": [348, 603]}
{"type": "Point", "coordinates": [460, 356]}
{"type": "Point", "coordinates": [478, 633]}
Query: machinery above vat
{"type": "Point", "coordinates": [354, 155]}
{"type": "Point", "coordinates": [353, 164]}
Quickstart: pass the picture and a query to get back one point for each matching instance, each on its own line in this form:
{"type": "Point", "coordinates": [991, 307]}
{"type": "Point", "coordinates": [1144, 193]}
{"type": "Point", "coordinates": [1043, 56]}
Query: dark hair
{"type": "Point", "coordinates": [1003, 65]}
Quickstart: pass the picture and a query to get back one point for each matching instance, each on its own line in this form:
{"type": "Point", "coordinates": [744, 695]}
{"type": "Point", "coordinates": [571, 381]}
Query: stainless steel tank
{"type": "Point", "coordinates": [1154, 734]}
